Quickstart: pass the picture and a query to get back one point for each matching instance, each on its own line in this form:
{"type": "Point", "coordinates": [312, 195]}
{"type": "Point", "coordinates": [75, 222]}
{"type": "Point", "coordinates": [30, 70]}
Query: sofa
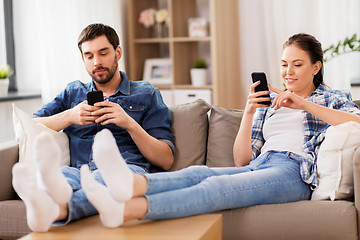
{"type": "Point", "coordinates": [204, 135]}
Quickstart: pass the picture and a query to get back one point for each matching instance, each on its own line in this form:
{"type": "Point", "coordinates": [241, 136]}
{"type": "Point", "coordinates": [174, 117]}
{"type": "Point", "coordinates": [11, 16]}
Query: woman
{"type": "Point", "coordinates": [274, 152]}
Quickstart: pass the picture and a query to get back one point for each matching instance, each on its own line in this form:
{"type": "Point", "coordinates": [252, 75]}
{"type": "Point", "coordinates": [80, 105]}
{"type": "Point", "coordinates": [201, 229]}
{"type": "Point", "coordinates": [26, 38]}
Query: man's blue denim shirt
{"type": "Point", "coordinates": [140, 99]}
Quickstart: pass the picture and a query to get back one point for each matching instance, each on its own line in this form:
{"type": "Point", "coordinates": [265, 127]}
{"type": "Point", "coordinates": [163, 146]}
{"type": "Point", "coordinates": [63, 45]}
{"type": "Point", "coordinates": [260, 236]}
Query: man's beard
{"type": "Point", "coordinates": [107, 76]}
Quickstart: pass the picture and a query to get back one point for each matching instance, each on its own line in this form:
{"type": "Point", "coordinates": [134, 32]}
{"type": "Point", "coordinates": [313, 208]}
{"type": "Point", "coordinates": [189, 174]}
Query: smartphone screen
{"type": "Point", "coordinates": [94, 97]}
{"type": "Point", "coordinates": [263, 86]}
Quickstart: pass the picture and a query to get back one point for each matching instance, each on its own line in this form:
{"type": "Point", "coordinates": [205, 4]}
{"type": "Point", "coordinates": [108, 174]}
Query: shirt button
{"type": "Point", "coordinates": [130, 107]}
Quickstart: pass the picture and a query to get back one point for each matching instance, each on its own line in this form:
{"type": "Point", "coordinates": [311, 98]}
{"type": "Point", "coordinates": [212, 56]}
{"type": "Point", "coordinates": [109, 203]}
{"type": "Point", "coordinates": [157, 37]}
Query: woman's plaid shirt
{"type": "Point", "coordinates": [314, 128]}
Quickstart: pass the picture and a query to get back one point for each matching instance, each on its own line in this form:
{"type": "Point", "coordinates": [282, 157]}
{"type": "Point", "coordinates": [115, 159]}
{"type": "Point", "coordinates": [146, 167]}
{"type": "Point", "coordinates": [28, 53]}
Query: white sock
{"type": "Point", "coordinates": [47, 157]}
{"type": "Point", "coordinates": [41, 210]}
{"type": "Point", "coordinates": [116, 174]}
{"type": "Point", "coordinates": [111, 212]}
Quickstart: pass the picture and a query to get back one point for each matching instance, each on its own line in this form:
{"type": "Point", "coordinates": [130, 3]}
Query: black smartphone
{"type": "Point", "coordinates": [263, 86]}
{"type": "Point", "coordinates": [94, 97]}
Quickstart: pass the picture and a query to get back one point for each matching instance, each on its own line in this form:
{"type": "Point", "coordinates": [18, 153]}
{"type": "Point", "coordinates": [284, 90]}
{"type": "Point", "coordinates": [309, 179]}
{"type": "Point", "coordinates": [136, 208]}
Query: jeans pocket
{"type": "Point", "coordinates": [306, 195]}
{"type": "Point", "coordinates": [294, 157]}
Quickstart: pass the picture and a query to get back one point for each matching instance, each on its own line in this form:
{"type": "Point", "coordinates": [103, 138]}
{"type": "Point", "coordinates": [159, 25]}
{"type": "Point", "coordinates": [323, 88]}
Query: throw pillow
{"type": "Point", "coordinates": [223, 127]}
{"type": "Point", "coordinates": [335, 162]}
{"type": "Point", "coordinates": [190, 125]}
{"type": "Point", "coordinates": [26, 129]}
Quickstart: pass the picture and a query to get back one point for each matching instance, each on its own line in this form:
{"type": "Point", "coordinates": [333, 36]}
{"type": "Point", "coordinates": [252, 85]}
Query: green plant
{"type": "Point", "coordinates": [346, 46]}
{"type": "Point", "coordinates": [5, 72]}
{"type": "Point", "coordinates": [199, 63]}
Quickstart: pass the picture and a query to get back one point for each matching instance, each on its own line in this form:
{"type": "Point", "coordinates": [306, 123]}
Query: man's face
{"type": "Point", "coordinates": [101, 59]}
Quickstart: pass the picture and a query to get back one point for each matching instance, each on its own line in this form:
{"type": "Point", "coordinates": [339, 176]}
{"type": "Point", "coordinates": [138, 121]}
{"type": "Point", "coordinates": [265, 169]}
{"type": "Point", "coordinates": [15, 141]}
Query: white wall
{"type": "Point", "coordinates": [252, 45]}
{"type": "Point", "coordinates": [46, 35]}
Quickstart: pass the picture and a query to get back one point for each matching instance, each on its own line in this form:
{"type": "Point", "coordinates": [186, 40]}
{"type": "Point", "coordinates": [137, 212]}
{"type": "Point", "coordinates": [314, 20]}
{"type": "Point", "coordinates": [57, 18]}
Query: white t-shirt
{"type": "Point", "coordinates": [284, 131]}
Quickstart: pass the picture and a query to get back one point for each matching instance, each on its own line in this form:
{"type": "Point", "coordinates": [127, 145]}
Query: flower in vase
{"type": "Point", "coordinates": [161, 16]}
{"type": "Point", "coordinates": [147, 17]}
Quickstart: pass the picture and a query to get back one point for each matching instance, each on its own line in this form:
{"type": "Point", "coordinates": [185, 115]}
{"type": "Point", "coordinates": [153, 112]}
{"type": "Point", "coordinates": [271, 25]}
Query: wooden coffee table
{"type": "Point", "coordinates": [208, 226]}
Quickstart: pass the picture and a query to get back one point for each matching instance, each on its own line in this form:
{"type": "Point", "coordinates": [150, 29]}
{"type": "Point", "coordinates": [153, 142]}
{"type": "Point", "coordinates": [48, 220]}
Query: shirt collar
{"type": "Point", "coordinates": [320, 90]}
{"type": "Point", "coordinates": [124, 87]}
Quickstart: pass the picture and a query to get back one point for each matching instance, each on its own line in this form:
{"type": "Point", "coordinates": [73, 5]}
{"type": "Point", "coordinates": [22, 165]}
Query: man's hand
{"type": "Point", "coordinates": [82, 115]}
{"type": "Point", "coordinates": [109, 112]}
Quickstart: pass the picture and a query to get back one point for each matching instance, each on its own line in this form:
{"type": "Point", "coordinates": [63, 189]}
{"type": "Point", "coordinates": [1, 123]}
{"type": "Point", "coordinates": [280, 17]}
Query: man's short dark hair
{"type": "Point", "coordinates": [98, 29]}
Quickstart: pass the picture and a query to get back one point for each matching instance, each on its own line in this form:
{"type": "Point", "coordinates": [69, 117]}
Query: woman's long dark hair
{"type": "Point", "coordinates": [313, 47]}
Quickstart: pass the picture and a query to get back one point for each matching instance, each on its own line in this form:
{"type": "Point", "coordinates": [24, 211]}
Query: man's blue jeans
{"type": "Point", "coordinates": [79, 206]}
{"type": "Point", "coordinates": [274, 177]}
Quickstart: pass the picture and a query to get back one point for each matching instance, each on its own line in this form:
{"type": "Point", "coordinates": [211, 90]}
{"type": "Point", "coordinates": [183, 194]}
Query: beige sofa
{"type": "Point", "coordinates": [204, 135]}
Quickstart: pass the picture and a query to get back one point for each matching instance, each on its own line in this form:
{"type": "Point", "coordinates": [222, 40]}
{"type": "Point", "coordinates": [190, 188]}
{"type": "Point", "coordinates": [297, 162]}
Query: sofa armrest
{"type": "Point", "coordinates": [357, 183]}
{"type": "Point", "coordinates": [9, 155]}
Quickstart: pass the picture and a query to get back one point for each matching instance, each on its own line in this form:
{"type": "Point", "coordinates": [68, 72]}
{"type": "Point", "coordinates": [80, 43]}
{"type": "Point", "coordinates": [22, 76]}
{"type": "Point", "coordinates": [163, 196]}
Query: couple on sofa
{"type": "Point", "coordinates": [114, 142]}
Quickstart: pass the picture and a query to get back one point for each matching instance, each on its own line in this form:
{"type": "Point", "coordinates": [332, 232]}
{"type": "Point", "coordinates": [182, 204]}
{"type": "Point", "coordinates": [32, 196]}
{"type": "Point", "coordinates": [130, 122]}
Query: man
{"type": "Point", "coordinates": [132, 111]}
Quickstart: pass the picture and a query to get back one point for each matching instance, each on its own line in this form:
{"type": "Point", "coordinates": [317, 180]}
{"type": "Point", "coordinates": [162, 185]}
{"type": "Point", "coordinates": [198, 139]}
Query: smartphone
{"type": "Point", "coordinates": [94, 97]}
{"type": "Point", "coordinates": [263, 86]}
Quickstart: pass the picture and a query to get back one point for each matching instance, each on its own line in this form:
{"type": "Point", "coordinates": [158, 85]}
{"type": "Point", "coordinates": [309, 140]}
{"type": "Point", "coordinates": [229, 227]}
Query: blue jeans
{"type": "Point", "coordinates": [79, 206]}
{"type": "Point", "coordinates": [272, 178]}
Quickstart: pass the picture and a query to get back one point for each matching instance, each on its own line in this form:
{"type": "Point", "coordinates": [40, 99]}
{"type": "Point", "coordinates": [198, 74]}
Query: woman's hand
{"type": "Point", "coordinates": [254, 99]}
{"type": "Point", "coordinates": [287, 99]}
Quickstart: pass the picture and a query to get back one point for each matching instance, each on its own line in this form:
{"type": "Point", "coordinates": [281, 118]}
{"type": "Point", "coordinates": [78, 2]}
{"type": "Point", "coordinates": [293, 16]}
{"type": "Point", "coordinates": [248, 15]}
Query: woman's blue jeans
{"type": "Point", "coordinates": [79, 206]}
{"type": "Point", "coordinates": [272, 178]}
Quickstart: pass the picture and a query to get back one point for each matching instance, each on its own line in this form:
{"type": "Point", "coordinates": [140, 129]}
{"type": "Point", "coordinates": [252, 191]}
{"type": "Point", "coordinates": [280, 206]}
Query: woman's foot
{"type": "Point", "coordinates": [111, 211]}
{"type": "Point", "coordinates": [116, 174]}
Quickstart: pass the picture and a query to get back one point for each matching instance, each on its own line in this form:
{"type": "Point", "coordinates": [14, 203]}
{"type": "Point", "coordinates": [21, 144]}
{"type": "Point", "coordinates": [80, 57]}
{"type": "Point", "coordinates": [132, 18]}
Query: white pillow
{"type": "Point", "coordinates": [335, 162]}
{"type": "Point", "coordinates": [26, 129]}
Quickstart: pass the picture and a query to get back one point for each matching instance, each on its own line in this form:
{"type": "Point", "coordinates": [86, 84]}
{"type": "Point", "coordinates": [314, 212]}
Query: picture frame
{"type": "Point", "coordinates": [198, 27]}
{"type": "Point", "coordinates": [158, 71]}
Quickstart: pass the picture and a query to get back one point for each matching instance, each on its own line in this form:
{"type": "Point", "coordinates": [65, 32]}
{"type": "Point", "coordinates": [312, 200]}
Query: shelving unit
{"type": "Point", "coordinates": [220, 48]}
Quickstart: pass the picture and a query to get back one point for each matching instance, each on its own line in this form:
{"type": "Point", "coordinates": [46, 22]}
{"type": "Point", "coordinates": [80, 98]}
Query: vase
{"type": "Point", "coordinates": [159, 29]}
{"type": "Point", "coordinates": [4, 87]}
{"type": "Point", "coordinates": [198, 76]}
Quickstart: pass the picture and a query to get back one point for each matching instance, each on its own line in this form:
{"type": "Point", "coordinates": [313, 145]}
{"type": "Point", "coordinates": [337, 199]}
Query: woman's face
{"type": "Point", "coordinates": [297, 71]}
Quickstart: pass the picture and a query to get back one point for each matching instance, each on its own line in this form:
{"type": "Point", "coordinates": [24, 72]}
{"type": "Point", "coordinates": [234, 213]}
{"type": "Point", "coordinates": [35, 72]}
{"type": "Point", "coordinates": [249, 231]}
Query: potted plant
{"type": "Point", "coordinates": [5, 73]}
{"type": "Point", "coordinates": [348, 45]}
{"type": "Point", "coordinates": [198, 72]}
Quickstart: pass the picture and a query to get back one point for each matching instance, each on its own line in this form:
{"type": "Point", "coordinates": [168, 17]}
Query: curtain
{"type": "Point", "coordinates": [2, 36]}
{"type": "Point", "coordinates": [46, 35]}
{"type": "Point", "coordinates": [328, 20]}
{"type": "Point", "coordinates": [266, 24]}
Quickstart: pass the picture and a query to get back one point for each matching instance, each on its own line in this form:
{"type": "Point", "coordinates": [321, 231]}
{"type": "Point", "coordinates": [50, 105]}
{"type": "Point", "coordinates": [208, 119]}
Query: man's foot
{"type": "Point", "coordinates": [47, 156]}
{"type": "Point", "coordinates": [116, 174]}
{"type": "Point", "coordinates": [41, 210]}
{"type": "Point", "coordinates": [111, 212]}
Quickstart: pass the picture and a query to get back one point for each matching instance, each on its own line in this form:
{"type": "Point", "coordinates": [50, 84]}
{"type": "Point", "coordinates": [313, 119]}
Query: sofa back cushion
{"type": "Point", "coordinates": [190, 128]}
{"type": "Point", "coordinates": [223, 127]}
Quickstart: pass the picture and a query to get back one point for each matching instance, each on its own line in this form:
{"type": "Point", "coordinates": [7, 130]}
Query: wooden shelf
{"type": "Point", "coordinates": [220, 48]}
{"type": "Point", "coordinates": [152, 40]}
{"type": "Point", "coordinates": [185, 86]}
{"type": "Point", "coordinates": [191, 39]}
